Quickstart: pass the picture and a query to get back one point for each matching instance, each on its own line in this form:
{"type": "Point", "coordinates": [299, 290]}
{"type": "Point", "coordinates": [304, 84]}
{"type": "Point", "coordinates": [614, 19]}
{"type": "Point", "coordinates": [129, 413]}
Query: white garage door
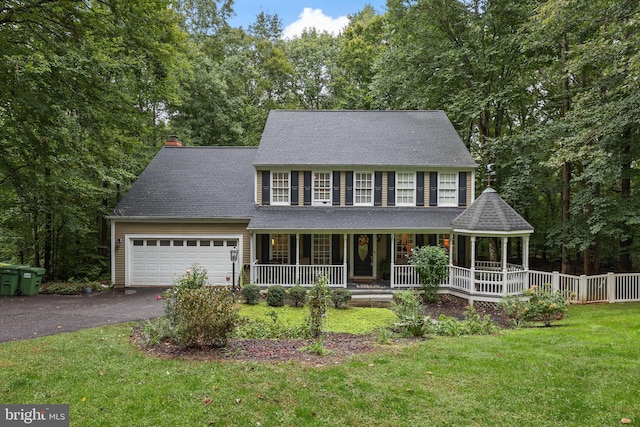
{"type": "Point", "coordinates": [159, 261]}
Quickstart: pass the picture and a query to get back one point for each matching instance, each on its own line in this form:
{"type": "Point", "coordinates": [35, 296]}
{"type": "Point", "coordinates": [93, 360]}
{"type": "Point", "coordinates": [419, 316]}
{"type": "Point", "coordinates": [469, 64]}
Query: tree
{"type": "Point", "coordinates": [82, 86]}
{"type": "Point", "coordinates": [312, 56]}
{"type": "Point", "coordinates": [432, 264]}
{"type": "Point", "coordinates": [359, 47]}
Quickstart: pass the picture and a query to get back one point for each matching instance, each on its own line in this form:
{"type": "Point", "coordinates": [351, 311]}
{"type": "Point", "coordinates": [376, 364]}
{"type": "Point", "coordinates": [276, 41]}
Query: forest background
{"type": "Point", "coordinates": [545, 94]}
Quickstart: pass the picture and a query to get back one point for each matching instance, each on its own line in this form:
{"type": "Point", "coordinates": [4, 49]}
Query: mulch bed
{"type": "Point", "coordinates": [339, 346]}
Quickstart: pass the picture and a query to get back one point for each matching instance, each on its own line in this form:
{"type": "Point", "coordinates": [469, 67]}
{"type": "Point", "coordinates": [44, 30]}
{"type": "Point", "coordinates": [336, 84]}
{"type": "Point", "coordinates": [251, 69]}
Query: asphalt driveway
{"type": "Point", "coordinates": [39, 315]}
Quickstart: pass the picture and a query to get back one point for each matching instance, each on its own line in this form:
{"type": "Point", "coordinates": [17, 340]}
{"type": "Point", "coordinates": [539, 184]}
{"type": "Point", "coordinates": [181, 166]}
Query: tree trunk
{"type": "Point", "coordinates": [625, 193]}
{"type": "Point", "coordinates": [566, 167]}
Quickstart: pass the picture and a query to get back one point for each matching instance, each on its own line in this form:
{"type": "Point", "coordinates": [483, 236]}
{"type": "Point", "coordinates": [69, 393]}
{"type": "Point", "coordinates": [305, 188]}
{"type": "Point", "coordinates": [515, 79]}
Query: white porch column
{"type": "Point", "coordinates": [525, 252]}
{"type": "Point", "coordinates": [505, 242]}
{"type": "Point", "coordinates": [252, 255]}
{"type": "Point", "coordinates": [472, 281]}
{"type": "Point", "coordinates": [450, 249]}
{"type": "Point", "coordinates": [345, 273]}
{"type": "Point", "coordinates": [298, 257]}
{"type": "Point", "coordinates": [392, 251]}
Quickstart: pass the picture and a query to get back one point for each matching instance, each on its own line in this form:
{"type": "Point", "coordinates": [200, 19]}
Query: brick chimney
{"type": "Point", "coordinates": [173, 142]}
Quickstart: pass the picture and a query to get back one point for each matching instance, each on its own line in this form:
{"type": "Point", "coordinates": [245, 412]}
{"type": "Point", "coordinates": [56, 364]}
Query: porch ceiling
{"type": "Point", "coordinates": [352, 219]}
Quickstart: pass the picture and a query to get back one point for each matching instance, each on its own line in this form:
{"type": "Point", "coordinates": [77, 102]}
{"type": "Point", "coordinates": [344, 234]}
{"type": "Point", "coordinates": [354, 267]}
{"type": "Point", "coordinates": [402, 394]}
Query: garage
{"type": "Point", "coordinates": [160, 260]}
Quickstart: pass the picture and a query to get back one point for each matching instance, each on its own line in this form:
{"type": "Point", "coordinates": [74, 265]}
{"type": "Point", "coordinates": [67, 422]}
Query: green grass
{"type": "Point", "coordinates": [582, 372]}
{"type": "Point", "coordinates": [355, 320]}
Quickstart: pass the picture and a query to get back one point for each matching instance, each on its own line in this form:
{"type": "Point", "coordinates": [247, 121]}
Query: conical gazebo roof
{"type": "Point", "coordinates": [489, 213]}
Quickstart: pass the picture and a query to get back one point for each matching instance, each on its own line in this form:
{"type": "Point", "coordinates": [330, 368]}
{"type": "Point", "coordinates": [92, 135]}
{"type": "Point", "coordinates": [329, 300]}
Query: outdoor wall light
{"type": "Point", "coordinates": [118, 241]}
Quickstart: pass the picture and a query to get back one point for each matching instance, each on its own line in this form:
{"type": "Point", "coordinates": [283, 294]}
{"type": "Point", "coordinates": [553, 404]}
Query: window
{"type": "Point", "coordinates": [280, 188]}
{"type": "Point", "coordinates": [280, 248]}
{"type": "Point", "coordinates": [321, 188]}
{"type": "Point", "coordinates": [192, 243]}
{"type": "Point", "coordinates": [404, 244]}
{"type": "Point", "coordinates": [321, 249]}
{"type": "Point", "coordinates": [363, 188]}
{"type": "Point", "coordinates": [405, 189]}
{"type": "Point", "coordinates": [447, 188]}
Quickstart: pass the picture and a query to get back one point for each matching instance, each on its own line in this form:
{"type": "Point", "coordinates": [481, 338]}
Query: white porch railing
{"type": "Point", "coordinates": [291, 275]}
{"type": "Point", "coordinates": [484, 282]}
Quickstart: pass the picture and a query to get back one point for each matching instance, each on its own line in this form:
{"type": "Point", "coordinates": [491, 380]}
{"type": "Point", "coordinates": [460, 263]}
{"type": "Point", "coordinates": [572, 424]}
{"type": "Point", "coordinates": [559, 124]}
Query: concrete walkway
{"type": "Point", "coordinates": [39, 315]}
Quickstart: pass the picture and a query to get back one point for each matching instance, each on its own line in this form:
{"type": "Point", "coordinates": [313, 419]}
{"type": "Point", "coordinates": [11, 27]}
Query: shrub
{"type": "Point", "coordinates": [156, 331]}
{"type": "Point", "coordinates": [276, 295]}
{"type": "Point", "coordinates": [274, 329]}
{"type": "Point", "coordinates": [297, 295]}
{"type": "Point", "coordinates": [543, 305]}
{"type": "Point", "coordinates": [341, 297]}
{"type": "Point", "coordinates": [432, 265]}
{"type": "Point", "coordinates": [406, 305]}
{"type": "Point", "coordinates": [318, 301]}
{"type": "Point", "coordinates": [195, 277]}
{"type": "Point", "coordinates": [203, 317]}
{"type": "Point", "coordinates": [476, 324]}
{"type": "Point", "coordinates": [251, 294]}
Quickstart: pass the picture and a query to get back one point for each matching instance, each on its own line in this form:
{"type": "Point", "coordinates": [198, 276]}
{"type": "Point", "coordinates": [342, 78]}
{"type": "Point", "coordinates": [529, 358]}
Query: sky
{"type": "Point", "coordinates": [296, 15]}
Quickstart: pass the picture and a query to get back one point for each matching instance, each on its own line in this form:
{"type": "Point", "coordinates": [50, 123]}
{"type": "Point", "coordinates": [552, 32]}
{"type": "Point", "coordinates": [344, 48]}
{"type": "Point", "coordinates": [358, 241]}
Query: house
{"type": "Point", "coordinates": [343, 193]}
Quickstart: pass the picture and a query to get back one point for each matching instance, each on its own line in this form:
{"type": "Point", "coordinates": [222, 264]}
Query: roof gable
{"type": "Point", "coordinates": [193, 182]}
{"type": "Point", "coordinates": [490, 213]}
{"type": "Point", "coordinates": [361, 138]}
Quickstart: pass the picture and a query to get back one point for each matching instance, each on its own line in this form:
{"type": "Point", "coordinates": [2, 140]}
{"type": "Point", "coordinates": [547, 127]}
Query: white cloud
{"type": "Point", "coordinates": [315, 18]}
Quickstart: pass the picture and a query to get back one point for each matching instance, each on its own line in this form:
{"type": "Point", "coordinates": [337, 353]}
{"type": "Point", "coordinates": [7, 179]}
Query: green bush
{"type": "Point", "coordinates": [476, 324]}
{"type": "Point", "coordinates": [202, 317]}
{"type": "Point", "coordinates": [276, 295]}
{"type": "Point", "coordinates": [274, 329]}
{"type": "Point", "coordinates": [195, 277]}
{"type": "Point", "coordinates": [297, 295]}
{"type": "Point", "coordinates": [432, 265]}
{"type": "Point", "coordinates": [406, 305]}
{"type": "Point", "coordinates": [251, 294]}
{"type": "Point", "coordinates": [543, 305]}
{"type": "Point", "coordinates": [318, 302]}
{"type": "Point", "coordinates": [341, 297]}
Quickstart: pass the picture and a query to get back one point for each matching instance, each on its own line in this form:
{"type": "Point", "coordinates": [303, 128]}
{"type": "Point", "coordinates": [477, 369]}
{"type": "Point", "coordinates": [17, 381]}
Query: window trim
{"type": "Point", "coordinates": [453, 190]}
{"type": "Point", "coordinates": [329, 189]}
{"type": "Point", "coordinates": [355, 188]}
{"type": "Point", "coordinates": [273, 188]}
{"type": "Point", "coordinates": [399, 189]}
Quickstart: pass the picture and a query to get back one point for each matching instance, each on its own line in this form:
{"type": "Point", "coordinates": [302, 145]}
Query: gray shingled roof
{"type": "Point", "coordinates": [361, 138]}
{"type": "Point", "coordinates": [193, 182]}
{"type": "Point", "coordinates": [352, 219]}
{"type": "Point", "coordinates": [490, 213]}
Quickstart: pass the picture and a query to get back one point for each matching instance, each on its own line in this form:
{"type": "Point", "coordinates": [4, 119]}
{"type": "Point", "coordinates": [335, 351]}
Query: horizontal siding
{"type": "Point", "coordinates": [157, 228]}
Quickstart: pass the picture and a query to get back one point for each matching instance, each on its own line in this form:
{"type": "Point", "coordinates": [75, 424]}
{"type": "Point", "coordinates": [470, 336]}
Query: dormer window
{"type": "Point", "coordinates": [405, 189]}
{"type": "Point", "coordinates": [280, 188]}
{"type": "Point", "coordinates": [322, 188]}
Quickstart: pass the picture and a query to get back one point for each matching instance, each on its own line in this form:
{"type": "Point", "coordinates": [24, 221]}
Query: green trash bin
{"type": "Point", "coordinates": [30, 280]}
{"type": "Point", "coordinates": [9, 280]}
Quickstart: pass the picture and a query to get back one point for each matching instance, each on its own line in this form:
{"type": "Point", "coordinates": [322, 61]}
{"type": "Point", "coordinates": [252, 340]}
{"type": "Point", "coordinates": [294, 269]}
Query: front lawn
{"type": "Point", "coordinates": [582, 372]}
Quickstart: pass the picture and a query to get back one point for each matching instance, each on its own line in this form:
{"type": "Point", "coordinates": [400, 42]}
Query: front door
{"type": "Point", "coordinates": [362, 254]}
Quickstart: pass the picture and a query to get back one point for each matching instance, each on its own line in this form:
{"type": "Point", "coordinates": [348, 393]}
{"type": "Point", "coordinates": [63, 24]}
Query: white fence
{"type": "Point", "coordinates": [487, 281]}
{"type": "Point", "coordinates": [291, 275]}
